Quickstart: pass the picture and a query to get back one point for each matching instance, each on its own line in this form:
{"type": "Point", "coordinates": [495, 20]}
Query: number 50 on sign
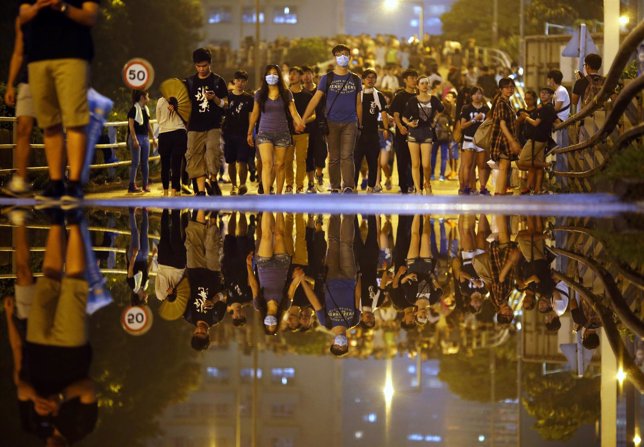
{"type": "Point", "coordinates": [138, 74]}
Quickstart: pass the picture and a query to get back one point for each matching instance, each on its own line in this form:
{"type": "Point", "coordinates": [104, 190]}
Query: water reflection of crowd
{"type": "Point", "coordinates": [367, 285]}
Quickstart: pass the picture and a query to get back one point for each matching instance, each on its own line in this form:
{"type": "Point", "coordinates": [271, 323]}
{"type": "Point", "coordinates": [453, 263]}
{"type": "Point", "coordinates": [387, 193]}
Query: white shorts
{"type": "Point", "coordinates": [24, 298]}
{"type": "Point", "coordinates": [469, 255]}
{"type": "Point", "coordinates": [24, 101]}
{"type": "Point", "coordinates": [470, 146]}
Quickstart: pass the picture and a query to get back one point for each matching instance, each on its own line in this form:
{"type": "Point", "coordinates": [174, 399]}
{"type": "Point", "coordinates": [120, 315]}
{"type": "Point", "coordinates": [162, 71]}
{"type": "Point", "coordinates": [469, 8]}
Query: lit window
{"type": "Point", "coordinates": [285, 15]}
{"type": "Point", "coordinates": [249, 16]}
{"type": "Point", "coordinates": [371, 418]}
{"type": "Point", "coordinates": [217, 375]}
{"type": "Point", "coordinates": [220, 14]}
{"type": "Point", "coordinates": [284, 376]}
{"type": "Point", "coordinates": [247, 374]}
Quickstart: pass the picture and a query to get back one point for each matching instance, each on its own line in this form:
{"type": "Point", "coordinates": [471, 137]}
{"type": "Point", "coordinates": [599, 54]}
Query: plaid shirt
{"type": "Point", "coordinates": [499, 291]}
{"type": "Point", "coordinates": [502, 111]}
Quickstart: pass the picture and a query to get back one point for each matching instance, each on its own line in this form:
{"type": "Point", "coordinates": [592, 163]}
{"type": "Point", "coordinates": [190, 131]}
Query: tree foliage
{"type": "Point", "coordinates": [165, 32]}
{"type": "Point", "coordinates": [308, 51]}
{"type": "Point", "coordinates": [559, 402]}
{"type": "Point", "coordinates": [473, 19]}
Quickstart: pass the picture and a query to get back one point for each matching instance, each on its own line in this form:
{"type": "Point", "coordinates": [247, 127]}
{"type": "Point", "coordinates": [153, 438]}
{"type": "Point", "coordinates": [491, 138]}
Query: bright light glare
{"type": "Point", "coordinates": [637, 440]}
{"type": "Point", "coordinates": [388, 390]}
{"type": "Point", "coordinates": [621, 376]}
{"type": "Point", "coordinates": [481, 438]}
{"type": "Point", "coordinates": [390, 5]}
{"type": "Point", "coordinates": [624, 20]}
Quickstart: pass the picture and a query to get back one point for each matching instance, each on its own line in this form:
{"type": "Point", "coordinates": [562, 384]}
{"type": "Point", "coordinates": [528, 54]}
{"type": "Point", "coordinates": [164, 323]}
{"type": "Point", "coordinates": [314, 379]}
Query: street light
{"type": "Point", "coordinates": [392, 5]}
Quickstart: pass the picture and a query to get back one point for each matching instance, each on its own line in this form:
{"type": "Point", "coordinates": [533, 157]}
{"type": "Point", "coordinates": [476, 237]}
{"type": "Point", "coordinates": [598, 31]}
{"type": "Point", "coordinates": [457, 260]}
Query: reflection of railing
{"type": "Point", "coordinates": [599, 146]}
{"type": "Point", "coordinates": [115, 145]}
{"type": "Point", "coordinates": [103, 271]}
{"type": "Point", "coordinates": [41, 249]}
{"type": "Point", "coordinates": [91, 228]}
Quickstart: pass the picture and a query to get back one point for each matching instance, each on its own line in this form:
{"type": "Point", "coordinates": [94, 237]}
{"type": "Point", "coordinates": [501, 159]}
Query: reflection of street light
{"type": "Point", "coordinates": [388, 390]}
{"type": "Point", "coordinates": [637, 440]}
{"type": "Point", "coordinates": [621, 376]}
{"type": "Point", "coordinates": [392, 5]}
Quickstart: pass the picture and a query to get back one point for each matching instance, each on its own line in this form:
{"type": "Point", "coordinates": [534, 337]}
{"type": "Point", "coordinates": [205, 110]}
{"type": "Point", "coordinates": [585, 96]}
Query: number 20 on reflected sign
{"type": "Point", "coordinates": [136, 320]}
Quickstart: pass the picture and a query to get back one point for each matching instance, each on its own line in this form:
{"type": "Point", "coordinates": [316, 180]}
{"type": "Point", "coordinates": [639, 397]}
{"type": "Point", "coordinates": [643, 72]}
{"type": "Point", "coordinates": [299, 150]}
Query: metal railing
{"type": "Point", "coordinates": [115, 145]}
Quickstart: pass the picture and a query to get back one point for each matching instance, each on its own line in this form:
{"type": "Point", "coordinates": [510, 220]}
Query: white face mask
{"type": "Point", "coordinates": [342, 60]}
{"type": "Point", "coordinates": [270, 320]}
{"type": "Point", "coordinates": [340, 340]}
{"type": "Point", "coordinates": [272, 79]}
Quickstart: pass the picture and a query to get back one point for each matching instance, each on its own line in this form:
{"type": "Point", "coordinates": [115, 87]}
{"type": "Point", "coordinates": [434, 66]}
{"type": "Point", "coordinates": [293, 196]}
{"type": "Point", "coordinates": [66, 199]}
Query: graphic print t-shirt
{"type": "Point", "coordinates": [205, 114]}
{"type": "Point", "coordinates": [370, 113]}
{"type": "Point", "coordinates": [344, 107]}
{"type": "Point", "coordinates": [469, 113]}
{"type": "Point", "coordinates": [239, 106]}
{"type": "Point", "coordinates": [339, 304]}
{"type": "Point", "coordinates": [204, 284]}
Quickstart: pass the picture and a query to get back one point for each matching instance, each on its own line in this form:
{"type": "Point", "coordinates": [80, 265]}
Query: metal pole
{"type": "Point", "coordinates": [257, 44]}
{"type": "Point", "coordinates": [521, 33]}
{"type": "Point", "coordinates": [495, 23]}
{"type": "Point", "coordinates": [421, 21]}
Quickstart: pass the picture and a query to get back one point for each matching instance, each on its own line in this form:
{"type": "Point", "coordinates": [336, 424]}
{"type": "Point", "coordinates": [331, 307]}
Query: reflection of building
{"type": "Point", "coordinates": [231, 21]}
{"type": "Point", "coordinates": [420, 415]}
{"type": "Point", "coordinates": [296, 398]}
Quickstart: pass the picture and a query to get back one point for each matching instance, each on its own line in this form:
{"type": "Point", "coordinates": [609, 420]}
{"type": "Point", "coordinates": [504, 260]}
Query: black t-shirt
{"type": "Point", "coordinates": [398, 104]}
{"type": "Point", "coordinates": [371, 113]}
{"type": "Point", "coordinates": [423, 112]}
{"type": "Point", "coordinates": [548, 115]}
{"type": "Point", "coordinates": [74, 420]}
{"type": "Point", "coordinates": [239, 106]}
{"type": "Point", "coordinates": [206, 115]}
{"type": "Point", "coordinates": [233, 268]}
{"type": "Point", "coordinates": [55, 36]}
{"type": "Point", "coordinates": [51, 368]}
{"type": "Point", "coordinates": [302, 100]}
{"type": "Point", "coordinates": [204, 284]}
{"type": "Point", "coordinates": [23, 76]}
{"type": "Point", "coordinates": [580, 87]}
{"type": "Point", "coordinates": [468, 113]}
{"type": "Point", "coordinates": [541, 269]}
{"type": "Point", "coordinates": [139, 129]}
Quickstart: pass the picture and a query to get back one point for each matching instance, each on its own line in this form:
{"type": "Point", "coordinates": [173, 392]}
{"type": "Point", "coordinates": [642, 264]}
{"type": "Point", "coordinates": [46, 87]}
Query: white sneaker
{"type": "Point", "coordinates": [17, 186]}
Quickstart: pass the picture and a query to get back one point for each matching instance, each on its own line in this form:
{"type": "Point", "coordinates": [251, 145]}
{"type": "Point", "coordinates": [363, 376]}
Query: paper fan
{"type": "Point", "coordinates": [176, 93]}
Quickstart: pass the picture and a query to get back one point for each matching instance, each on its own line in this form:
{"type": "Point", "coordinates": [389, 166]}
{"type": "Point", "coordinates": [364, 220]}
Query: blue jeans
{"type": "Point", "coordinates": [140, 156]}
{"type": "Point", "coordinates": [444, 145]}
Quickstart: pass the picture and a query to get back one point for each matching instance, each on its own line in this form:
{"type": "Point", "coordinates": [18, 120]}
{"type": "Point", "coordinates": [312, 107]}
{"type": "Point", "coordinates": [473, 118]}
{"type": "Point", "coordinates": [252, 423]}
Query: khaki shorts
{"type": "Point", "coordinates": [204, 153]}
{"type": "Point", "coordinates": [59, 89]}
{"type": "Point", "coordinates": [531, 251]}
{"type": "Point", "coordinates": [204, 247]}
{"type": "Point", "coordinates": [24, 101]}
{"type": "Point", "coordinates": [24, 299]}
{"type": "Point", "coordinates": [58, 316]}
{"type": "Point", "coordinates": [526, 155]}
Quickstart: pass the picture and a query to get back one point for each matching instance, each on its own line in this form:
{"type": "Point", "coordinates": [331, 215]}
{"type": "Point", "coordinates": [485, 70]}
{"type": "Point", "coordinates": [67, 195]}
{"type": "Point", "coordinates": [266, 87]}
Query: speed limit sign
{"type": "Point", "coordinates": [138, 74]}
{"type": "Point", "coordinates": [136, 320]}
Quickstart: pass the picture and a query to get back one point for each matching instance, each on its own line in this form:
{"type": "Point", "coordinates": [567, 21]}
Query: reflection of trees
{"type": "Point", "coordinates": [470, 377]}
{"type": "Point", "coordinates": [559, 403]}
{"type": "Point", "coordinates": [138, 377]}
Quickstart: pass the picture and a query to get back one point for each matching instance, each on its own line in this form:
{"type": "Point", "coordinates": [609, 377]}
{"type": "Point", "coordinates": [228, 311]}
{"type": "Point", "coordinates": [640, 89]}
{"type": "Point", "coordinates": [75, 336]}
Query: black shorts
{"type": "Point", "coordinates": [236, 149]}
{"type": "Point", "coordinates": [316, 155]}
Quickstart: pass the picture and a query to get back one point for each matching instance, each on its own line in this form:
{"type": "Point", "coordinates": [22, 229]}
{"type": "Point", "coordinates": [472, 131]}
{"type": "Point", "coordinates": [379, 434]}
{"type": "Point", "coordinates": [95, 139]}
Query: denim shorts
{"type": "Point", "coordinates": [420, 135]}
{"type": "Point", "coordinates": [279, 139]}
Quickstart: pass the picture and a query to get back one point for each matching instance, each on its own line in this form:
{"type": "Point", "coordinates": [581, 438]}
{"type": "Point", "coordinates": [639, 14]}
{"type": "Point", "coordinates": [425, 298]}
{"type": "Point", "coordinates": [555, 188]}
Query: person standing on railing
{"type": "Point", "coordinates": [173, 142]}
{"type": "Point", "coordinates": [21, 99]}
{"type": "Point", "coordinates": [59, 54]}
{"type": "Point", "coordinates": [139, 131]}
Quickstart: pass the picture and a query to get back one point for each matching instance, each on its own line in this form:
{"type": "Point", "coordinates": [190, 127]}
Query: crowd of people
{"type": "Point", "coordinates": [382, 107]}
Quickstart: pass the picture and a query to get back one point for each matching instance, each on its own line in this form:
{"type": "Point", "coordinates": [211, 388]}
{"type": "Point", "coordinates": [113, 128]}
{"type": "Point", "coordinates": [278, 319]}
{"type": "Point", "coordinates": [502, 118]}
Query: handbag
{"type": "Point", "coordinates": [483, 135]}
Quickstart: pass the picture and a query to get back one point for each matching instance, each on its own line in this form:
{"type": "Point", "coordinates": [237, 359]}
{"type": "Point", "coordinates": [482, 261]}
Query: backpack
{"type": "Point", "coordinates": [443, 128]}
{"type": "Point", "coordinates": [595, 84]}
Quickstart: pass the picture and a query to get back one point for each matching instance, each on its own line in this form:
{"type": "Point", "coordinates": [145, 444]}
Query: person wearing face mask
{"type": "Point", "coordinates": [340, 88]}
{"type": "Point", "coordinates": [339, 311]}
{"type": "Point", "coordinates": [274, 102]}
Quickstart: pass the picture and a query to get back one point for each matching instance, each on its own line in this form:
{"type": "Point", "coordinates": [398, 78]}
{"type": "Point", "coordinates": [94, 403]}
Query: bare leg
{"type": "Point", "coordinates": [23, 144]}
{"type": "Point", "coordinates": [279, 164]}
{"type": "Point", "coordinates": [414, 152]}
{"type": "Point", "coordinates": [55, 152]}
{"type": "Point", "coordinates": [76, 148]}
{"type": "Point", "coordinates": [266, 155]}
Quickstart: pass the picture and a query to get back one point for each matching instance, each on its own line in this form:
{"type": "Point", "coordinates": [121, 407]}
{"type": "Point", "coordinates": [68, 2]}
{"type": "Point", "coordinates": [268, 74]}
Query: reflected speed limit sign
{"type": "Point", "coordinates": [138, 74]}
{"type": "Point", "coordinates": [136, 320]}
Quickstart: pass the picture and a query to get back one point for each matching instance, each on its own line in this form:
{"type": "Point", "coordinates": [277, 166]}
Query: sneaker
{"type": "Point", "coordinates": [320, 179]}
{"type": "Point", "coordinates": [260, 189]}
{"type": "Point", "coordinates": [201, 194]}
{"type": "Point", "coordinates": [347, 190]}
{"type": "Point", "coordinates": [17, 216]}
{"type": "Point", "coordinates": [187, 189]}
{"type": "Point", "coordinates": [377, 188]}
{"type": "Point", "coordinates": [208, 187]}
{"type": "Point", "coordinates": [369, 190]}
{"type": "Point", "coordinates": [233, 190]}
{"type": "Point", "coordinates": [433, 177]}
{"type": "Point", "coordinates": [441, 178]}
{"type": "Point", "coordinates": [52, 194]}
{"type": "Point", "coordinates": [73, 195]}
{"type": "Point", "coordinates": [363, 185]}
{"type": "Point", "coordinates": [311, 189]}
{"type": "Point", "coordinates": [99, 108]}
{"type": "Point", "coordinates": [146, 188]}
{"type": "Point", "coordinates": [243, 189]}
{"type": "Point", "coordinates": [411, 190]}
{"type": "Point", "coordinates": [17, 187]}
{"type": "Point", "coordinates": [484, 192]}
{"type": "Point", "coordinates": [466, 191]}
{"type": "Point", "coordinates": [288, 190]}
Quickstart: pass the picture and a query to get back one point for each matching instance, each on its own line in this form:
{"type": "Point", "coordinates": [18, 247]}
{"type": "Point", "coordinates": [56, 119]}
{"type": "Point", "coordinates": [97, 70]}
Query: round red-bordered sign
{"type": "Point", "coordinates": [138, 74]}
{"type": "Point", "coordinates": [136, 320]}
